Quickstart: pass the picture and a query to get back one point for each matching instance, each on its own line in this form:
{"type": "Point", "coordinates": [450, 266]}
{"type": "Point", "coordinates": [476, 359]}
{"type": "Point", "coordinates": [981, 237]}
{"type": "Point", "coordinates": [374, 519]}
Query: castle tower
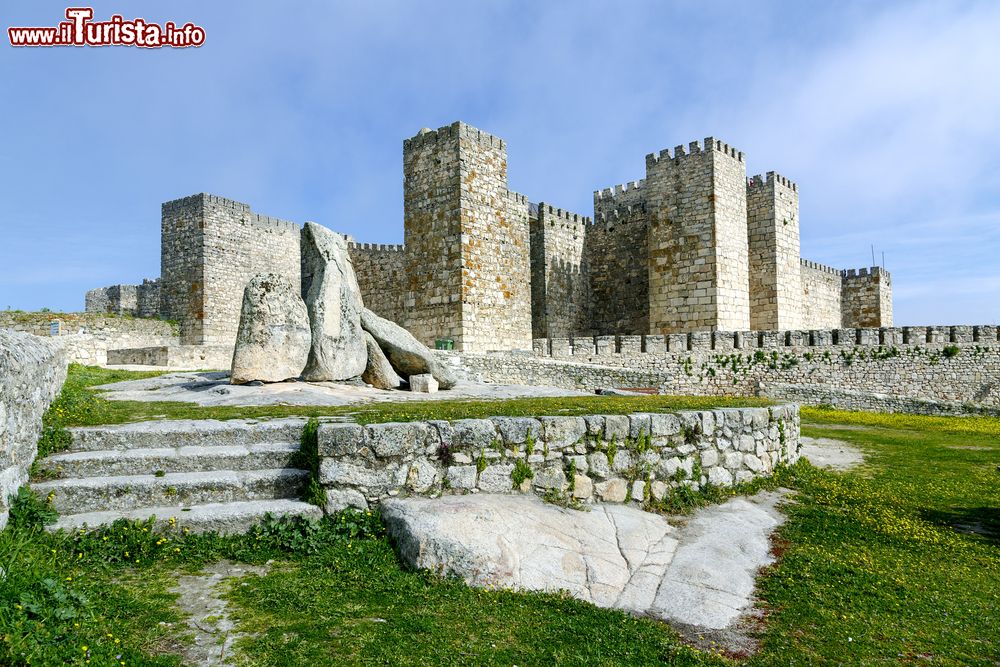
{"type": "Point", "coordinates": [210, 248]}
{"type": "Point", "coordinates": [698, 257]}
{"type": "Point", "coordinates": [468, 268]}
{"type": "Point", "coordinates": [775, 275]}
{"type": "Point", "coordinates": [866, 298]}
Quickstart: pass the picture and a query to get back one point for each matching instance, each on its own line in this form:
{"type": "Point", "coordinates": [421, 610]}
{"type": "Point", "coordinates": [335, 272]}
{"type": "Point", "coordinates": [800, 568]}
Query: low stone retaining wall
{"type": "Point", "coordinates": [178, 357]}
{"type": "Point", "coordinates": [845, 399]}
{"type": "Point", "coordinates": [637, 458]}
{"type": "Point", "coordinates": [32, 371]}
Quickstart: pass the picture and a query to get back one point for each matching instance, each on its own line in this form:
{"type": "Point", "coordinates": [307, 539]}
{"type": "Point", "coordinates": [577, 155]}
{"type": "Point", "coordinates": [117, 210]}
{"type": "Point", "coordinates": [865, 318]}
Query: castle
{"type": "Point", "coordinates": [693, 246]}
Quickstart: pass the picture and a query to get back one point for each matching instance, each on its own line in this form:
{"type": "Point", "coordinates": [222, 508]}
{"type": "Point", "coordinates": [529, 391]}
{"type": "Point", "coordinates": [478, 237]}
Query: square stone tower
{"type": "Point", "coordinates": [775, 272]}
{"type": "Point", "coordinates": [696, 203]}
{"type": "Point", "coordinates": [210, 248]}
{"type": "Point", "coordinates": [468, 266]}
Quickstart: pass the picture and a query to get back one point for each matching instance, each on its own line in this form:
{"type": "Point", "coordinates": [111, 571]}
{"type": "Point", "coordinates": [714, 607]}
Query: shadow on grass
{"type": "Point", "coordinates": [981, 522]}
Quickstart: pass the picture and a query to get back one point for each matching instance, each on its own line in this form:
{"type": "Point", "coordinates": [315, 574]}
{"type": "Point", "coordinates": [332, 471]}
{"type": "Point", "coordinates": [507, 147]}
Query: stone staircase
{"type": "Point", "coordinates": [206, 475]}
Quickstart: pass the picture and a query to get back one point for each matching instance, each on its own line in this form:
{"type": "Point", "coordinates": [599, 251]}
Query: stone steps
{"type": "Point", "coordinates": [206, 474]}
{"type": "Point", "coordinates": [179, 489]}
{"type": "Point", "coordinates": [187, 458]}
{"type": "Point", "coordinates": [181, 432]}
{"type": "Point", "coordinates": [224, 518]}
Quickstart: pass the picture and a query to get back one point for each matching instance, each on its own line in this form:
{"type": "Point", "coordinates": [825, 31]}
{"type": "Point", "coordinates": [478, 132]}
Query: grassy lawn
{"type": "Point", "coordinates": [80, 405]}
{"type": "Point", "coordinates": [897, 562]}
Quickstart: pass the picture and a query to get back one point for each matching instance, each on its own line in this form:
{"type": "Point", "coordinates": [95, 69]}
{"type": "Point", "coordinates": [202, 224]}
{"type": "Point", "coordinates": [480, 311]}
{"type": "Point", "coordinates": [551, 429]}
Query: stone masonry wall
{"type": "Point", "coordinates": [87, 337]}
{"type": "Point", "coordinates": [698, 269]}
{"type": "Point", "coordinates": [210, 249]}
{"type": "Point", "coordinates": [820, 296]}
{"type": "Point", "coordinates": [138, 300]}
{"type": "Point", "coordinates": [775, 274]}
{"type": "Point", "coordinates": [468, 264]}
{"type": "Point", "coordinates": [560, 277]}
{"type": "Point", "coordinates": [866, 299]}
{"type": "Point", "coordinates": [617, 252]}
{"type": "Point", "coordinates": [637, 458]}
{"type": "Point", "coordinates": [431, 224]}
{"type": "Point", "coordinates": [32, 371]}
{"type": "Point", "coordinates": [496, 260]}
{"type": "Point", "coordinates": [959, 364]}
{"type": "Point", "coordinates": [381, 272]}
{"type": "Point", "coordinates": [239, 244]}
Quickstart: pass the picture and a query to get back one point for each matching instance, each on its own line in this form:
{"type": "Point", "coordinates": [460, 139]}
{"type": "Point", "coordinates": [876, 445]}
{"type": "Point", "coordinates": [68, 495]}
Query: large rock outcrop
{"type": "Point", "coordinates": [612, 555]}
{"type": "Point", "coordinates": [379, 372]}
{"type": "Point", "coordinates": [333, 300]}
{"type": "Point", "coordinates": [407, 354]}
{"type": "Point", "coordinates": [273, 339]}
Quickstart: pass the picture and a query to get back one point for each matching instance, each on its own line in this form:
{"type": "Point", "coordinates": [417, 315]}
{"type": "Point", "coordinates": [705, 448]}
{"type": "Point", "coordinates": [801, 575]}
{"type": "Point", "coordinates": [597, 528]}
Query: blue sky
{"type": "Point", "coordinates": [885, 114]}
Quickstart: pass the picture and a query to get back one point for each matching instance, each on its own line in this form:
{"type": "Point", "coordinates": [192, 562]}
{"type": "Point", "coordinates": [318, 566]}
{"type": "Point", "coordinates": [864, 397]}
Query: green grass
{"type": "Point", "coordinates": [897, 562]}
{"type": "Point", "coordinates": [80, 405]}
{"type": "Point", "coordinates": [881, 565]}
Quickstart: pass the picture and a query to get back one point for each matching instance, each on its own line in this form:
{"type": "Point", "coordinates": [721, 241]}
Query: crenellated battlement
{"type": "Point", "coordinates": [771, 178]}
{"type": "Point", "coordinates": [376, 247]}
{"type": "Point", "coordinates": [518, 198]}
{"type": "Point", "coordinates": [816, 266]}
{"type": "Point", "coordinates": [747, 342]}
{"type": "Point", "coordinates": [864, 273]}
{"type": "Point", "coordinates": [549, 211]}
{"type": "Point", "coordinates": [694, 148]}
{"type": "Point", "coordinates": [617, 192]}
{"type": "Point", "coordinates": [457, 129]}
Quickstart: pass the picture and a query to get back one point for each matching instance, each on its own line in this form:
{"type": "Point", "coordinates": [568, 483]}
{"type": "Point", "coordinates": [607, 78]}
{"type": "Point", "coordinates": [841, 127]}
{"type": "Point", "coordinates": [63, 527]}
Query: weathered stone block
{"type": "Point", "coordinates": [423, 383]}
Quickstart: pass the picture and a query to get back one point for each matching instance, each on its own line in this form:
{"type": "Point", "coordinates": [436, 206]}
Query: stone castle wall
{"type": "Point", "coordinates": [211, 248]}
{"type": "Point", "coordinates": [617, 252]}
{"type": "Point", "coordinates": [560, 277]}
{"type": "Point", "coordinates": [32, 371]}
{"type": "Point", "coordinates": [821, 297]}
{"type": "Point", "coordinates": [381, 272]}
{"type": "Point", "coordinates": [775, 274]}
{"type": "Point", "coordinates": [948, 365]}
{"type": "Point", "coordinates": [692, 247]}
{"type": "Point", "coordinates": [87, 337]}
{"type": "Point", "coordinates": [141, 300]}
{"type": "Point", "coordinates": [637, 458]}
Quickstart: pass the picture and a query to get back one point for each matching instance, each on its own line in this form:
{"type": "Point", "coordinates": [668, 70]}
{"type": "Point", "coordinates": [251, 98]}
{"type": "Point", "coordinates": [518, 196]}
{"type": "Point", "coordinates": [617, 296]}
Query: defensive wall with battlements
{"type": "Point", "coordinates": [694, 246]}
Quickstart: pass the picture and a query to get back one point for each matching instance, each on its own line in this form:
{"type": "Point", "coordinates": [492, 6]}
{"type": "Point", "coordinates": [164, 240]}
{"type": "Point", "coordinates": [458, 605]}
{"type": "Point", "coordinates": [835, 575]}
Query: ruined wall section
{"type": "Point", "coordinates": [137, 300]}
{"type": "Point", "coordinates": [821, 287]}
{"type": "Point", "coordinates": [866, 299]}
{"type": "Point", "coordinates": [381, 272]}
{"type": "Point", "coordinates": [211, 248]}
{"type": "Point", "coordinates": [560, 277]}
{"type": "Point", "coordinates": [432, 222]}
{"type": "Point", "coordinates": [773, 234]}
{"type": "Point", "coordinates": [698, 252]}
{"type": "Point", "coordinates": [617, 252]}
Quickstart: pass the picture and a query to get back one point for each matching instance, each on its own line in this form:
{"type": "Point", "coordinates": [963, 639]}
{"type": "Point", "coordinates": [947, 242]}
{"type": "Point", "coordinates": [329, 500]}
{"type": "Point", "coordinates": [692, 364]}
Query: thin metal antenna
{"type": "Point", "coordinates": [873, 254]}
{"type": "Point", "coordinates": [883, 260]}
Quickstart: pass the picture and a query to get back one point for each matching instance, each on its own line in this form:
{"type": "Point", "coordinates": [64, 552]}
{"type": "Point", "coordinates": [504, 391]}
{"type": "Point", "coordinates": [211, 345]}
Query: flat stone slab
{"type": "Point", "coordinates": [213, 388]}
{"type": "Point", "coordinates": [699, 571]}
{"type": "Point", "coordinates": [830, 453]}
